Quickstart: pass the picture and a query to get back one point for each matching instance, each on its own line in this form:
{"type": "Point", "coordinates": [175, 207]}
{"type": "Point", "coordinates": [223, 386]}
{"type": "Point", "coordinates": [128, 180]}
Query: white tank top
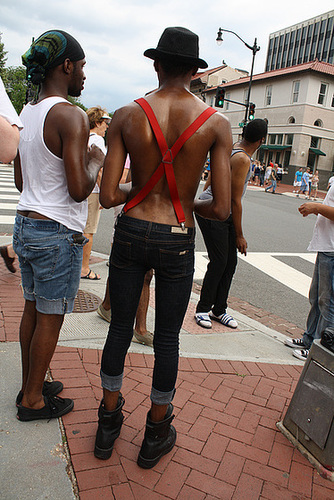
{"type": "Point", "coordinates": [44, 180]}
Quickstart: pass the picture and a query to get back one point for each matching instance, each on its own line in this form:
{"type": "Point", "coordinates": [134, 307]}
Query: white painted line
{"type": "Point", "coordinates": [8, 206]}
{"type": "Point", "coordinates": [7, 219]}
{"type": "Point", "coordinates": [10, 197]}
{"type": "Point", "coordinates": [279, 271]}
{"type": "Point", "coordinates": [201, 262]}
{"type": "Point", "coordinates": [8, 190]}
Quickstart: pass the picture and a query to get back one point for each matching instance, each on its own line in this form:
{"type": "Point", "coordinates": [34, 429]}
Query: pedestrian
{"type": "Point", "coordinates": [98, 123]}
{"type": "Point", "coordinates": [305, 182]}
{"type": "Point", "coordinates": [223, 238]}
{"type": "Point", "coordinates": [314, 185]}
{"type": "Point", "coordinates": [262, 173]}
{"type": "Point", "coordinates": [156, 229]}
{"type": "Point", "coordinates": [321, 295]}
{"type": "Point", "coordinates": [267, 174]}
{"type": "Point", "coordinates": [298, 180]}
{"type": "Point", "coordinates": [273, 179]}
{"type": "Point", "coordinates": [54, 175]}
{"type": "Point", "coordinates": [10, 126]}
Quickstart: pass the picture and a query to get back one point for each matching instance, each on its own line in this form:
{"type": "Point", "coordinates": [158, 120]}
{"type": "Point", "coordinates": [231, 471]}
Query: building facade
{"type": "Point", "coordinates": [302, 42]}
{"type": "Point", "coordinates": [298, 103]}
{"type": "Point", "coordinates": [214, 77]}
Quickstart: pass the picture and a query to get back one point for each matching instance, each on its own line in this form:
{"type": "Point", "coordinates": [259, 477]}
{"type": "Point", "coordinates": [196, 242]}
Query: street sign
{"type": "Point", "coordinates": [241, 124]}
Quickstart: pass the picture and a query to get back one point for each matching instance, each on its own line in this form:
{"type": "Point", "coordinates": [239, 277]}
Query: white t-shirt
{"type": "Point", "coordinates": [323, 233]}
{"type": "Point", "coordinates": [331, 180]}
{"type": "Point", "coordinates": [99, 142]}
{"type": "Point", "coordinates": [7, 110]}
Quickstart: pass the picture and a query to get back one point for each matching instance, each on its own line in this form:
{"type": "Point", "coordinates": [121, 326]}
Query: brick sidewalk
{"type": "Point", "coordinates": [228, 446]}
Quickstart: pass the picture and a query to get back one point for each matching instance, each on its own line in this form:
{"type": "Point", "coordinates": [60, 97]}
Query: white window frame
{"type": "Point", "coordinates": [269, 94]}
{"type": "Point", "coordinates": [322, 95]}
{"type": "Point", "coordinates": [295, 91]}
{"type": "Point", "coordinates": [227, 103]}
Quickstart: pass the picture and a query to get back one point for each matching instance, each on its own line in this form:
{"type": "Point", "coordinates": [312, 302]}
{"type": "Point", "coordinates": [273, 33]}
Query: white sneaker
{"type": "Point", "coordinates": [294, 342]}
{"type": "Point", "coordinates": [225, 319]}
{"type": "Point", "coordinates": [203, 320]}
{"type": "Point", "coordinates": [301, 354]}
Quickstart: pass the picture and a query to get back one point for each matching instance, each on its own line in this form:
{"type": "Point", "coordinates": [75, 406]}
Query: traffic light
{"type": "Point", "coordinates": [220, 95]}
{"type": "Point", "coordinates": [251, 111]}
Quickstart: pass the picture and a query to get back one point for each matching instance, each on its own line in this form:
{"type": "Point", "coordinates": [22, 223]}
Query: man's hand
{"type": "Point", "coordinates": [95, 155]}
{"type": "Point", "coordinates": [308, 208]}
{"type": "Point", "coordinates": [241, 244]}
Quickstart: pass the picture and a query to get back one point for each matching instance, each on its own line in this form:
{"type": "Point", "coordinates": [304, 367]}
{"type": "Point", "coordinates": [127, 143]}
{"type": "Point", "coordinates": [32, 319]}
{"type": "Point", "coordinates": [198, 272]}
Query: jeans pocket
{"type": "Point", "coordinates": [120, 254]}
{"type": "Point", "coordinates": [43, 260]}
{"type": "Point", "coordinates": [176, 264]}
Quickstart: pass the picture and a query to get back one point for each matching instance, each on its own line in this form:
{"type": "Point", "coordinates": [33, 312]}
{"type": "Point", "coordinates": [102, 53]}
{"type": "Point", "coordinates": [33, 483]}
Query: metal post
{"type": "Point", "coordinates": [255, 48]}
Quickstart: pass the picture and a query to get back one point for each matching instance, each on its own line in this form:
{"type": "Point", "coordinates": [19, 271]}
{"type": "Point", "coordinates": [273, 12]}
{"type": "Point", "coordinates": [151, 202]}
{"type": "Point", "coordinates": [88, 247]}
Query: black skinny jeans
{"type": "Point", "coordinates": [138, 247]}
{"type": "Point", "coordinates": [219, 238]}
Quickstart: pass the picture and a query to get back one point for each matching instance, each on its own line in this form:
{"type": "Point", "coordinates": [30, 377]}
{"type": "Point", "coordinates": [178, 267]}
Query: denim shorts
{"type": "Point", "coordinates": [50, 257]}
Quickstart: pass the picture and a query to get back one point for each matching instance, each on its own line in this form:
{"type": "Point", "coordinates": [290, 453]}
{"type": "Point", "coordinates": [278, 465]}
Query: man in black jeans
{"type": "Point", "coordinates": [223, 238]}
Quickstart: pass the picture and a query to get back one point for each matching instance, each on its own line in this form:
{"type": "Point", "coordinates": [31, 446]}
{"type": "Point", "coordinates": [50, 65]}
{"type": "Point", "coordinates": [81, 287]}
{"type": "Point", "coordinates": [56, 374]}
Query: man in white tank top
{"type": "Point", "coordinates": [55, 174]}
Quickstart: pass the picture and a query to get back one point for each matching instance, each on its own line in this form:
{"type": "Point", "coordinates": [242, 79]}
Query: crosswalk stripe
{"type": "Point", "coordinates": [8, 190]}
{"type": "Point", "coordinates": [285, 274]}
{"type": "Point", "coordinates": [268, 264]}
{"type": "Point", "coordinates": [10, 196]}
{"type": "Point", "coordinates": [7, 219]}
{"type": "Point", "coordinates": [8, 206]}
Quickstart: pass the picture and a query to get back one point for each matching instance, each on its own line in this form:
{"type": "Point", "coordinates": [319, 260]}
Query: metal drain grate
{"type": "Point", "coordinates": [86, 302]}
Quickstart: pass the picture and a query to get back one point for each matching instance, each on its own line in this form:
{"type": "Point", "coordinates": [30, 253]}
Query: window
{"type": "Point", "coordinates": [289, 139]}
{"type": "Point", "coordinates": [269, 90]}
{"type": "Point", "coordinates": [279, 139]}
{"type": "Point", "coordinates": [292, 119]}
{"type": "Point", "coordinates": [272, 138]}
{"type": "Point", "coordinates": [295, 90]}
{"type": "Point", "coordinates": [315, 142]}
{"type": "Point", "coordinates": [318, 123]}
{"type": "Point", "coordinates": [333, 101]}
{"type": "Point", "coordinates": [322, 93]}
{"type": "Point", "coordinates": [227, 104]}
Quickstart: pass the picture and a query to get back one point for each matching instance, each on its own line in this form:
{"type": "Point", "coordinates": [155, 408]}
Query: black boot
{"type": "Point", "coordinates": [110, 423]}
{"type": "Point", "coordinates": [159, 439]}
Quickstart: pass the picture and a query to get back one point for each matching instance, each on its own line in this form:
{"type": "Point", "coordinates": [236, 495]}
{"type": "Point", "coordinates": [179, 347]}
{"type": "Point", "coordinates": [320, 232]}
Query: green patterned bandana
{"type": "Point", "coordinates": [48, 51]}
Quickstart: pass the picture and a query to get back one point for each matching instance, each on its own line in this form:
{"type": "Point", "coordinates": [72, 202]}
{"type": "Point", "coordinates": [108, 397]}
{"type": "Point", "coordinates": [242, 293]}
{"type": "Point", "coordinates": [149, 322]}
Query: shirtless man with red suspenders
{"type": "Point", "coordinates": [168, 136]}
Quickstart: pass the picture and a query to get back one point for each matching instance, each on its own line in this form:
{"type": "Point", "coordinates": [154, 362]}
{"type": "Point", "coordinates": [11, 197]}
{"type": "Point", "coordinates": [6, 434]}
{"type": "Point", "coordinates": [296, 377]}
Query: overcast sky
{"type": "Point", "coordinates": [115, 33]}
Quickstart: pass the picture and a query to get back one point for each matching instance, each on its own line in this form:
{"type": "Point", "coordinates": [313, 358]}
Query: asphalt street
{"type": "Point", "coordinates": [277, 238]}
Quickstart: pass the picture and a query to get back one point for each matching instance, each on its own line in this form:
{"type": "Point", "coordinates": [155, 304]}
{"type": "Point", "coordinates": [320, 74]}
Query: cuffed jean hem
{"type": "Point", "coordinates": [111, 383]}
{"type": "Point", "coordinates": [51, 306]}
{"type": "Point", "coordinates": [161, 398]}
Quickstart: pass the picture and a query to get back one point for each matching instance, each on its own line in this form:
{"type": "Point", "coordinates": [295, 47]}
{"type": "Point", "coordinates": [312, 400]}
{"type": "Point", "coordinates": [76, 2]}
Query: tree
{"type": "Point", "coordinates": [16, 86]}
{"type": "Point", "coordinates": [3, 58]}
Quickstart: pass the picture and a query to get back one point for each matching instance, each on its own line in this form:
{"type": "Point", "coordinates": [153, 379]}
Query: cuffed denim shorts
{"type": "Point", "coordinates": [50, 257]}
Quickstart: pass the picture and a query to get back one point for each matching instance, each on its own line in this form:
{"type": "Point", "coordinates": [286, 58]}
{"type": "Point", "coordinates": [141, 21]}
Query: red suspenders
{"type": "Point", "coordinates": [168, 155]}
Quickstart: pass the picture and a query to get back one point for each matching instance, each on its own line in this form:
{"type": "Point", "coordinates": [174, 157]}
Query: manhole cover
{"type": "Point", "coordinates": [86, 302]}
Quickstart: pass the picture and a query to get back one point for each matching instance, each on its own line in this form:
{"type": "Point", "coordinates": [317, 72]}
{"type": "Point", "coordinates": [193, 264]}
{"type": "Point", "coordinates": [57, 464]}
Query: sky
{"type": "Point", "coordinates": [115, 33]}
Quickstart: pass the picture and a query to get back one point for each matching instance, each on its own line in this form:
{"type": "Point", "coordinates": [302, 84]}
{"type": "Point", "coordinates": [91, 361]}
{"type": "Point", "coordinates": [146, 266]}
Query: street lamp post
{"type": "Point", "coordinates": [255, 48]}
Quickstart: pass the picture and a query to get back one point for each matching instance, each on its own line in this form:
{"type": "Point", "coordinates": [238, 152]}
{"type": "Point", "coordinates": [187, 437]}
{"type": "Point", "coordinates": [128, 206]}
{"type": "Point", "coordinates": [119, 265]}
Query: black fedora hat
{"type": "Point", "coordinates": [180, 44]}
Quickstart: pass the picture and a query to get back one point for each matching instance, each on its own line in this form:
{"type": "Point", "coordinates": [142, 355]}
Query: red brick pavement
{"type": "Point", "coordinates": [228, 446]}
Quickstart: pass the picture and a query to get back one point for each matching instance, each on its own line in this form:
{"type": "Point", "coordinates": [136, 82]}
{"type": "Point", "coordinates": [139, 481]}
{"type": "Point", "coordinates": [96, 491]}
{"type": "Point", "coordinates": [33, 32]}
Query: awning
{"type": "Point", "coordinates": [276, 147]}
{"type": "Point", "coordinates": [317, 152]}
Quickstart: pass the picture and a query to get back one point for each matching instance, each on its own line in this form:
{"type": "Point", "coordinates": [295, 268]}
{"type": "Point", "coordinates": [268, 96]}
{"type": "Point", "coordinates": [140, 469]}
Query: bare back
{"type": "Point", "coordinates": [175, 109]}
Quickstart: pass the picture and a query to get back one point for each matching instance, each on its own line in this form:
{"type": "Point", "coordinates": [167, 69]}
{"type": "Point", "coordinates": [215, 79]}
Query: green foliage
{"type": "Point", "coordinates": [3, 58]}
{"type": "Point", "coordinates": [16, 86]}
{"type": "Point", "coordinates": [77, 102]}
